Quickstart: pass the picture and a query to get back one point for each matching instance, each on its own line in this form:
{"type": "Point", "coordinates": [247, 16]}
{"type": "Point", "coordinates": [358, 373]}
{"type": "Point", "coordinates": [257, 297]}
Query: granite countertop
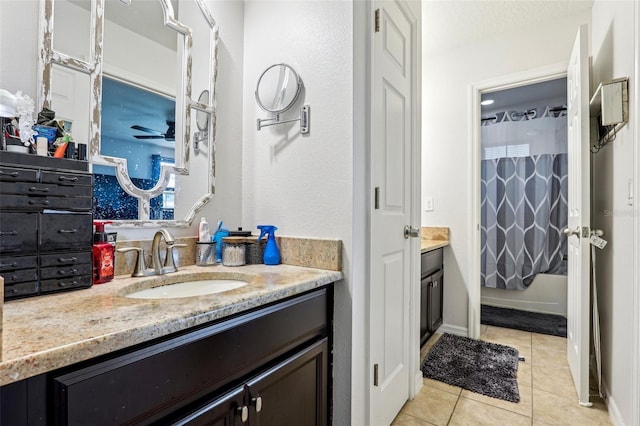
{"type": "Point", "coordinates": [433, 238]}
{"type": "Point", "coordinates": [44, 333]}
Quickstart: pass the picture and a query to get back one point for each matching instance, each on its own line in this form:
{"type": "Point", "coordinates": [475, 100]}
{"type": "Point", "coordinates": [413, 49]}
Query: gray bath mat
{"type": "Point", "coordinates": [482, 367]}
{"type": "Point", "coordinates": [555, 325]}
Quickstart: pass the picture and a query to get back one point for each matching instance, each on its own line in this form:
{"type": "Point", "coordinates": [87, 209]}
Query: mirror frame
{"type": "Point", "coordinates": [295, 97]}
{"type": "Point", "coordinates": [93, 67]}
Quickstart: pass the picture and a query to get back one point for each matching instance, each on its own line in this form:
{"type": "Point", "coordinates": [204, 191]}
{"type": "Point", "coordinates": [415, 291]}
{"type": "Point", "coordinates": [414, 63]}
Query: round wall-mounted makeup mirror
{"type": "Point", "coordinates": [202, 118]}
{"type": "Point", "coordinates": [278, 88]}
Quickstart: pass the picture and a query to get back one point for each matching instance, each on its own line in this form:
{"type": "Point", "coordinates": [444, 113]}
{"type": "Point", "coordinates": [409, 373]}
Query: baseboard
{"type": "Point", "coordinates": [453, 329]}
{"type": "Point", "coordinates": [612, 407]}
{"type": "Point", "coordinates": [417, 382]}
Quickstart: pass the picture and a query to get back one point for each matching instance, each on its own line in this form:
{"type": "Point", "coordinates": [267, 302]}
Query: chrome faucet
{"type": "Point", "coordinates": [157, 266]}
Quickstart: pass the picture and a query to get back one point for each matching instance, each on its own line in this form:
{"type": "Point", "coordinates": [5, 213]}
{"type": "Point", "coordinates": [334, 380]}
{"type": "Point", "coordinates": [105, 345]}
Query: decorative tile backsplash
{"type": "Point", "coordinates": [306, 252]}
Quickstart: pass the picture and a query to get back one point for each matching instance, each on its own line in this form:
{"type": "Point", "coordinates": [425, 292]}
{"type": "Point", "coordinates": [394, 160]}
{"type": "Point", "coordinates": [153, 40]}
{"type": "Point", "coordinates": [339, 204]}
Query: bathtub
{"type": "Point", "coordinates": [546, 294]}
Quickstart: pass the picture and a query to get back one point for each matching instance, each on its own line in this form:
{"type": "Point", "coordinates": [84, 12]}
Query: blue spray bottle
{"type": "Point", "coordinates": [271, 252]}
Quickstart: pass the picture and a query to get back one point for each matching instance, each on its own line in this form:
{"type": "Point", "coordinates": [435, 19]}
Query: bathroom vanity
{"type": "Point", "coordinates": [259, 354]}
{"type": "Point", "coordinates": [431, 280]}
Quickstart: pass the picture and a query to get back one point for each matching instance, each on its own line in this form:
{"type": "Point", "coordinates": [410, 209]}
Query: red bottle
{"type": "Point", "coordinates": [103, 255]}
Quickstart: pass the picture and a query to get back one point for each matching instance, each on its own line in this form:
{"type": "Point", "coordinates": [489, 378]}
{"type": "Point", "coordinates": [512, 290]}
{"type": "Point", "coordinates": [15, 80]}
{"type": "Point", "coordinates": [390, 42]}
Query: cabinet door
{"type": "Point", "coordinates": [294, 392]}
{"type": "Point", "coordinates": [227, 410]}
{"type": "Point", "coordinates": [424, 311]}
{"type": "Point", "coordinates": [435, 301]}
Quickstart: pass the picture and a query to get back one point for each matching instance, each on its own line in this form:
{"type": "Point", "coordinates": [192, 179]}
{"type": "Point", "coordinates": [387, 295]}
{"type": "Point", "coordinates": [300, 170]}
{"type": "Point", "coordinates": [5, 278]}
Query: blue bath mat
{"type": "Point", "coordinates": [482, 367]}
{"type": "Point", "coordinates": [555, 325]}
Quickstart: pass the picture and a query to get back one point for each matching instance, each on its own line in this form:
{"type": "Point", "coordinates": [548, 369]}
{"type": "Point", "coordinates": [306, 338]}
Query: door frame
{"type": "Point", "coordinates": [635, 367]}
{"type": "Point", "coordinates": [536, 75]}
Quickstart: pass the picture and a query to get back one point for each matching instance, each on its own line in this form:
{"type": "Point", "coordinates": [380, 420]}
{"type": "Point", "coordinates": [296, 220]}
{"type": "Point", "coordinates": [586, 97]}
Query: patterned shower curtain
{"type": "Point", "coordinates": [524, 210]}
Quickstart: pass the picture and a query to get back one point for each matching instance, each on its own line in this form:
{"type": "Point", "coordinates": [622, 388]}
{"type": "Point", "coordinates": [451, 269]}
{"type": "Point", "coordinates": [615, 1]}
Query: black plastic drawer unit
{"type": "Point", "coordinates": [46, 224]}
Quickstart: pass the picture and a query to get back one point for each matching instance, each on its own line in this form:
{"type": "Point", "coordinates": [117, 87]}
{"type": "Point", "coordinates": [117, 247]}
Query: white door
{"type": "Point", "coordinates": [578, 229]}
{"type": "Point", "coordinates": [392, 135]}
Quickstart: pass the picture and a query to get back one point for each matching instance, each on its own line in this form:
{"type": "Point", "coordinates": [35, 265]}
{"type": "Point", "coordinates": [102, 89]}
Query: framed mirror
{"type": "Point", "coordinates": [186, 24]}
{"type": "Point", "coordinates": [278, 88]}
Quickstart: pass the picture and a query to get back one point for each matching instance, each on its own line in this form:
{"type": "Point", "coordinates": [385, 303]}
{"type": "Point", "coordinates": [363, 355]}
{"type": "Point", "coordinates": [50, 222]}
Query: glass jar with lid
{"type": "Point", "coordinates": [234, 251]}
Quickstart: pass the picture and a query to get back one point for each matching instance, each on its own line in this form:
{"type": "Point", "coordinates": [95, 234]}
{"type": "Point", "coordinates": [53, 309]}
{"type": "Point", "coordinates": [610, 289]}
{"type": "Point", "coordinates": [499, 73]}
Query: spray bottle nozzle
{"type": "Point", "coordinates": [266, 230]}
{"type": "Point", "coordinates": [99, 224]}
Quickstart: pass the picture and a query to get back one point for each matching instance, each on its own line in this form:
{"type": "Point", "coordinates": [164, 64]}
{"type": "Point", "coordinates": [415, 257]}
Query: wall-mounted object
{"type": "Point", "coordinates": [202, 121]}
{"type": "Point", "coordinates": [277, 91]}
{"type": "Point", "coordinates": [609, 106]}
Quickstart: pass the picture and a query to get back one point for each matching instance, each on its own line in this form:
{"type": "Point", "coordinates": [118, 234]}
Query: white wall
{"type": "Point", "coordinates": [613, 56]}
{"type": "Point", "coordinates": [446, 148]}
{"type": "Point", "coordinates": [303, 184]}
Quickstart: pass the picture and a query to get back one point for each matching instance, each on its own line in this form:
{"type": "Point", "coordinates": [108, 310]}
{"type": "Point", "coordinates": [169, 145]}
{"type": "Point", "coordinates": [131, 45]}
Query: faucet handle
{"type": "Point", "coordinates": [140, 266]}
{"type": "Point", "coordinates": [169, 262]}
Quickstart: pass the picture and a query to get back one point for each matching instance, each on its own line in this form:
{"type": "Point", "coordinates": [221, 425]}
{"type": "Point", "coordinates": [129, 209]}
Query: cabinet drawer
{"type": "Point", "coordinates": [72, 179]}
{"type": "Point", "coordinates": [20, 276]}
{"type": "Point", "coordinates": [430, 261]}
{"type": "Point", "coordinates": [49, 202]}
{"type": "Point", "coordinates": [65, 230]}
{"type": "Point", "coordinates": [11, 174]}
{"type": "Point", "coordinates": [69, 283]}
{"type": "Point", "coordinates": [10, 263]}
{"type": "Point", "coordinates": [217, 355]}
{"type": "Point", "coordinates": [19, 290]}
{"type": "Point", "coordinates": [65, 258]}
{"type": "Point", "coordinates": [18, 232]}
{"type": "Point", "coordinates": [65, 271]}
{"type": "Point", "coordinates": [45, 189]}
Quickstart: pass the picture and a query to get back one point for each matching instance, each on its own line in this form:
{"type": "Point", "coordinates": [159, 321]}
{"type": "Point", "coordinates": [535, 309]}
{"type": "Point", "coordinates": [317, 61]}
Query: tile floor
{"type": "Point", "coordinates": [547, 395]}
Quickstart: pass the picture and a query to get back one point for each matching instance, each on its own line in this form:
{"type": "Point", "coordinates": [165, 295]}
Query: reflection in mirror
{"type": "Point", "coordinates": [278, 88]}
{"type": "Point", "coordinates": [202, 118]}
{"type": "Point", "coordinates": [72, 21]}
{"type": "Point", "coordinates": [136, 125]}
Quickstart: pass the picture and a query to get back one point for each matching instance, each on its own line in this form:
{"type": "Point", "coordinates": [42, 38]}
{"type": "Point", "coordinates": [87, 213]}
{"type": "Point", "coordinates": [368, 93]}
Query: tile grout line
{"type": "Point", "coordinates": [454, 408]}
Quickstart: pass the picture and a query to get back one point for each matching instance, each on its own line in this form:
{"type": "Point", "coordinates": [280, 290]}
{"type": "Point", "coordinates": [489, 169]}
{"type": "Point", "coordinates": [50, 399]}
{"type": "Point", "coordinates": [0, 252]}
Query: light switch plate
{"type": "Point", "coordinates": [428, 204]}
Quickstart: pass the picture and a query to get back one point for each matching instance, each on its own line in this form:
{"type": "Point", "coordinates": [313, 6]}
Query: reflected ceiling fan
{"type": "Point", "coordinates": [168, 135]}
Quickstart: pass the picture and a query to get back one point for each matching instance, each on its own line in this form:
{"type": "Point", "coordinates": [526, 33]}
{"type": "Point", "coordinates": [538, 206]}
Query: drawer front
{"type": "Point", "coordinates": [430, 261]}
{"type": "Point", "coordinates": [71, 179]}
{"type": "Point", "coordinates": [65, 258]}
{"type": "Point", "coordinates": [20, 276]}
{"type": "Point", "coordinates": [10, 263]}
{"type": "Point", "coordinates": [18, 232]}
{"type": "Point", "coordinates": [11, 174]}
{"type": "Point", "coordinates": [62, 284]}
{"type": "Point", "coordinates": [20, 290]}
{"type": "Point", "coordinates": [40, 203]}
{"type": "Point", "coordinates": [65, 271]}
{"type": "Point", "coordinates": [45, 189]}
{"type": "Point", "coordinates": [217, 355]}
{"type": "Point", "coordinates": [65, 230]}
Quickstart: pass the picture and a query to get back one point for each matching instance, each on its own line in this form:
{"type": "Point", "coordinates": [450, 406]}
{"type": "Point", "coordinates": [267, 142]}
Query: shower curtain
{"type": "Point", "coordinates": [524, 204]}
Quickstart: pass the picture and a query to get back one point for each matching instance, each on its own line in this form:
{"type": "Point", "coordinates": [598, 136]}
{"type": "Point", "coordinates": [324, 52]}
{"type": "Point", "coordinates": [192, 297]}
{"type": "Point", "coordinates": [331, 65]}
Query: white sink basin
{"type": "Point", "coordinates": [188, 289]}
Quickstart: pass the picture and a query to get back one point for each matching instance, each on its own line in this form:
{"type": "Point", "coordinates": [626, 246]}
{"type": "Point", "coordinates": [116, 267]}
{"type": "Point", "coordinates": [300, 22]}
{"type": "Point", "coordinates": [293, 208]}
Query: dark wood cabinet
{"type": "Point", "coordinates": [431, 293]}
{"type": "Point", "coordinates": [269, 366]}
{"type": "Point", "coordinates": [45, 210]}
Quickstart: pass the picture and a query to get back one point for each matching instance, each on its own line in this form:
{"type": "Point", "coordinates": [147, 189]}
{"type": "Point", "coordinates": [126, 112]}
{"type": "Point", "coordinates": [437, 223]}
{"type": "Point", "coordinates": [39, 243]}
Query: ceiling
{"type": "Point", "coordinates": [551, 93]}
{"type": "Point", "coordinates": [448, 24]}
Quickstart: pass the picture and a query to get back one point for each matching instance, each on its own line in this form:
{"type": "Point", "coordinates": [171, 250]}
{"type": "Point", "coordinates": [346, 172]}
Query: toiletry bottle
{"type": "Point", "coordinates": [221, 233]}
{"type": "Point", "coordinates": [103, 254]}
{"type": "Point", "coordinates": [203, 231]}
{"type": "Point", "coordinates": [271, 252]}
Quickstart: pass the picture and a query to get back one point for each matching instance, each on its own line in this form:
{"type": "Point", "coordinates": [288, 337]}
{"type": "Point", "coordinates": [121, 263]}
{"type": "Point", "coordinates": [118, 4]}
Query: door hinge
{"type": "Point", "coordinates": [377, 21]}
{"type": "Point", "coordinates": [375, 374]}
{"type": "Point", "coordinates": [376, 198]}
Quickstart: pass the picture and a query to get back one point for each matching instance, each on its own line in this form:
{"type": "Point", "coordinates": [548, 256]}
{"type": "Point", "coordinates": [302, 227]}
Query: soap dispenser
{"type": "Point", "coordinates": [271, 252]}
{"type": "Point", "coordinates": [103, 254]}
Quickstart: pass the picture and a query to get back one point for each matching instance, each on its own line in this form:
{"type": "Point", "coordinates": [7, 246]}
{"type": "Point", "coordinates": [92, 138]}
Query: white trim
{"type": "Point", "coordinates": [635, 367]}
{"type": "Point", "coordinates": [536, 75]}
{"type": "Point", "coordinates": [453, 329]}
{"type": "Point", "coordinates": [612, 407]}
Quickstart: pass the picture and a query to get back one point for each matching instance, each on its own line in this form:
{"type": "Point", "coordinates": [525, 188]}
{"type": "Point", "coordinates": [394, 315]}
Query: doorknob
{"type": "Point", "coordinates": [569, 232]}
{"type": "Point", "coordinates": [410, 231]}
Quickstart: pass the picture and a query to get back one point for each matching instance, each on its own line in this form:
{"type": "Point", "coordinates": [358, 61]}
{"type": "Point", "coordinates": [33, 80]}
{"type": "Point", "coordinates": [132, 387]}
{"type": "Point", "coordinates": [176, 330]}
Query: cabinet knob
{"type": "Point", "coordinates": [258, 403]}
{"type": "Point", "coordinates": [244, 413]}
